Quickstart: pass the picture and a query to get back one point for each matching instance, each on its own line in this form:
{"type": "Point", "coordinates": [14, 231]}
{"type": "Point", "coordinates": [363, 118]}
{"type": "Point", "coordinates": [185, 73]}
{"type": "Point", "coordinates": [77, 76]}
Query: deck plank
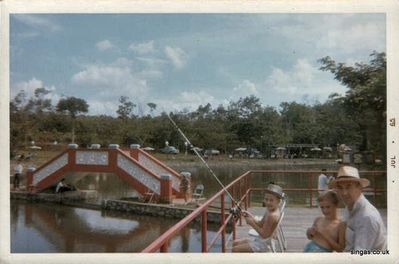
{"type": "Point", "coordinates": [295, 223]}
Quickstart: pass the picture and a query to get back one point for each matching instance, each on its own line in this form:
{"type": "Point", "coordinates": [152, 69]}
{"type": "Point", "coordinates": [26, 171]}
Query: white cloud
{"type": "Point", "coordinates": [143, 48]}
{"type": "Point", "coordinates": [111, 80]}
{"type": "Point", "coordinates": [29, 88]}
{"type": "Point", "coordinates": [185, 100]}
{"type": "Point", "coordinates": [38, 22]}
{"type": "Point", "coordinates": [177, 56]}
{"type": "Point", "coordinates": [281, 82]}
{"type": "Point", "coordinates": [150, 74]}
{"type": "Point", "coordinates": [331, 33]}
{"type": "Point", "coordinates": [304, 72]}
{"type": "Point", "coordinates": [104, 45]}
{"type": "Point", "coordinates": [245, 88]}
{"type": "Point", "coordinates": [303, 79]}
{"type": "Point", "coordinates": [349, 39]}
{"type": "Point", "coordinates": [122, 62]}
{"type": "Point", "coordinates": [98, 107]}
{"type": "Point", "coordinates": [152, 62]}
{"type": "Point", "coordinates": [195, 98]}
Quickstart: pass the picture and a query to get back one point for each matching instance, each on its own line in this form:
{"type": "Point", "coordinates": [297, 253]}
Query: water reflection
{"type": "Point", "coordinates": [45, 228]}
{"type": "Point", "coordinates": [106, 185]}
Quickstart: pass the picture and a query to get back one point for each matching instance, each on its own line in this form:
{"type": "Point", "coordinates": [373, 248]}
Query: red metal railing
{"type": "Point", "coordinates": [311, 174]}
{"type": "Point", "coordinates": [241, 190]}
{"type": "Point", "coordinates": [162, 242]}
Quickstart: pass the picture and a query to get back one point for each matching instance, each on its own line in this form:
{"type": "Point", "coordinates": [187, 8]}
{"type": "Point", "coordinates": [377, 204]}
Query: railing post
{"type": "Point", "coordinates": [134, 151]}
{"type": "Point", "coordinates": [310, 189]}
{"type": "Point", "coordinates": [247, 191]}
{"type": "Point", "coordinates": [204, 229]}
{"type": "Point", "coordinates": [29, 175]}
{"type": "Point", "coordinates": [166, 188]}
{"type": "Point", "coordinates": [249, 186]}
{"type": "Point", "coordinates": [234, 228]}
{"type": "Point", "coordinates": [222, 219]}
{"type": "Point", "coordinates": [239, 190]}
{"type": "Point", "coordinates": [239, 199]}
{"type": "Point", "coordinates": [375, 189]}
{"type": "Point", "coordinates": [72, 155]}
{"type": "Point", "coordinates": [249, 198]}
{"type": "Point", "coordinates": [233, 219]}
{"type": "Point", "coordinates": [164, 248]}
{"type": "Point", "coordinates": [233, 196]}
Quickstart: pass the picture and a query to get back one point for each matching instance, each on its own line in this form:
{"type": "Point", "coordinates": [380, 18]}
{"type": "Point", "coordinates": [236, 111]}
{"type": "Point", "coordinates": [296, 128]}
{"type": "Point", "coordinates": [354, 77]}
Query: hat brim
{"type": "Point", "coordinates": [280, 195]}
{"type": "Point", "coordinates": [363, 182]}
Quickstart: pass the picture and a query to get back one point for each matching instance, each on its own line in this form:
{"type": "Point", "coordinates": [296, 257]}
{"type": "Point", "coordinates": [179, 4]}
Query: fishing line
{"type": "Point", "coordinates": [206, 164]}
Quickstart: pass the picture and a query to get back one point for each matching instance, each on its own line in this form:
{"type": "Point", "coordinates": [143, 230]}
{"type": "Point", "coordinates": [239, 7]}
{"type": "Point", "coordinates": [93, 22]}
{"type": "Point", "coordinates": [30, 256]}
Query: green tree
{"type": "Point", "coordinates": [298, 122]}
{"type": "Point", "coordinates": [41, 104]}
{"type": "Point", "coordinates": [272, 132]}
{"type": "Point", "coordinates": [335, 126]}
{"type": "Point", "coordinates": [365, 99]}
{"type": "Point", "coordinates": [245, 107]}
{"type": "Point", "coordinates": [152, 107]}
{"type": "Point", "coordinates": [72, 106]}
{"type": "Point", "coordinates": [27, 115]}
{"type": "Point", "coordinates": [125, 108]}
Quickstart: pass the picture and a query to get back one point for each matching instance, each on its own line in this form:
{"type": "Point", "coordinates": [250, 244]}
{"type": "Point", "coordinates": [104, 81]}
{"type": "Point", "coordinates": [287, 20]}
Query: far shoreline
{"type": "Point", "coordinates": [190, 160]}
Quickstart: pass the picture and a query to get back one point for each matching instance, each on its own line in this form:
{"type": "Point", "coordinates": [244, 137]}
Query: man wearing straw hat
{"type": "Point", "coordinates": [365, 229]}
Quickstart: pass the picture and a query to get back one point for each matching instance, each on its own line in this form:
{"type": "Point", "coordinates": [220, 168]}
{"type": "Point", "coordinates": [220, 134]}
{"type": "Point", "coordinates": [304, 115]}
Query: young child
{"type": "Point", "coordinates": [328, 232]}
{"type": "Point", "coordinates": [185, 185]}
{"type": "Point", "coordinates": [265, 227]}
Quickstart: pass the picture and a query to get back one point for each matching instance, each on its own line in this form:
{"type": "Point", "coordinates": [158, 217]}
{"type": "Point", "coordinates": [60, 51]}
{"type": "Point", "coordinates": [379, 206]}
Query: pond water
{"type": "Point", "coordinates": [49, 228]}
{"type": "Point", "coordinates": [44, 228]}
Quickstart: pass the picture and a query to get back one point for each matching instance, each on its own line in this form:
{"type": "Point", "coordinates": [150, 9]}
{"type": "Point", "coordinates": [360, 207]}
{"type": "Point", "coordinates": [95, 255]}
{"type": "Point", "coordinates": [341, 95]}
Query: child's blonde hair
{"type": "Point", "coordinates": [329, 196]}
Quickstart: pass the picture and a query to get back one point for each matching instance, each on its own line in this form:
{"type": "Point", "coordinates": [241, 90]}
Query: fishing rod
{"type": "Point", "coordinates": [235, 210]}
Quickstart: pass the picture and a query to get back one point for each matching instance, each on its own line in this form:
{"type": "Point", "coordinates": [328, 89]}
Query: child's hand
{"type": "Point", "coordinates": [316, 231]}
{"type": "Point", "coordinates": [311, 232]}
{"type": "Point", "coordinates": [246, 213]}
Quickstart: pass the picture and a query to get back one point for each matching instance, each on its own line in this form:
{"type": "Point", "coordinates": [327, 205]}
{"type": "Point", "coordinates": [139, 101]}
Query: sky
{"type": "Point", "coordinates": [181, 61]}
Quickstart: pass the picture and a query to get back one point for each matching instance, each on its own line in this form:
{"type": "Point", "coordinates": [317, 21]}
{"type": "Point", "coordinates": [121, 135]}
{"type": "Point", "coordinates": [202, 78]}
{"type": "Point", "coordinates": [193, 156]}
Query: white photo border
{"type": "Point", "coordinates": [389, 7]}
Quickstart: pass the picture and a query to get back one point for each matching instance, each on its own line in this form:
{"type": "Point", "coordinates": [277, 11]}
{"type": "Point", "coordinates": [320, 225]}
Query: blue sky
{"type": "Point", "coordinates": [181, 61]}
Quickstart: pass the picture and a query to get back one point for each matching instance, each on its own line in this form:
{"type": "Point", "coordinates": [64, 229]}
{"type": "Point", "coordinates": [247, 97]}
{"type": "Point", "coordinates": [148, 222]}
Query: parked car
{"type": "Point", "coordinates": [169, 150]}
{"type": "Point", "coordinates": [211, 152]}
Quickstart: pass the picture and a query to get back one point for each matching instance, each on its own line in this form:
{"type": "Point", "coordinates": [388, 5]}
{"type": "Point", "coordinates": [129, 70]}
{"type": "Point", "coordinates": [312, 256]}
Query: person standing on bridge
{"type": "Point", "coordinates": [185, 186]}
{"type": "Point", "coordinates": [17, 176]}
{"type": "Point", "coordinates": [365, 229]}
{"type": "Point", "coordinates": [323, 182]}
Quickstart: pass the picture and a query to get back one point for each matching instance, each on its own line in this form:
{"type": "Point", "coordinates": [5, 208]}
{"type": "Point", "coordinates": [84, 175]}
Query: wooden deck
{"type": "Point", "coordinates": [295, 223]}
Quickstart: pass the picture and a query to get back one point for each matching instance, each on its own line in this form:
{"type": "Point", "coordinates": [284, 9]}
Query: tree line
{"type": "Point", "coordinates": [355, 118]}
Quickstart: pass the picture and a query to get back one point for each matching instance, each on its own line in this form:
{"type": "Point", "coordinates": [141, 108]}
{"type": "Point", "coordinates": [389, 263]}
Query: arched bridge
{"type": "Point", "coordinates": [139, 169]}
